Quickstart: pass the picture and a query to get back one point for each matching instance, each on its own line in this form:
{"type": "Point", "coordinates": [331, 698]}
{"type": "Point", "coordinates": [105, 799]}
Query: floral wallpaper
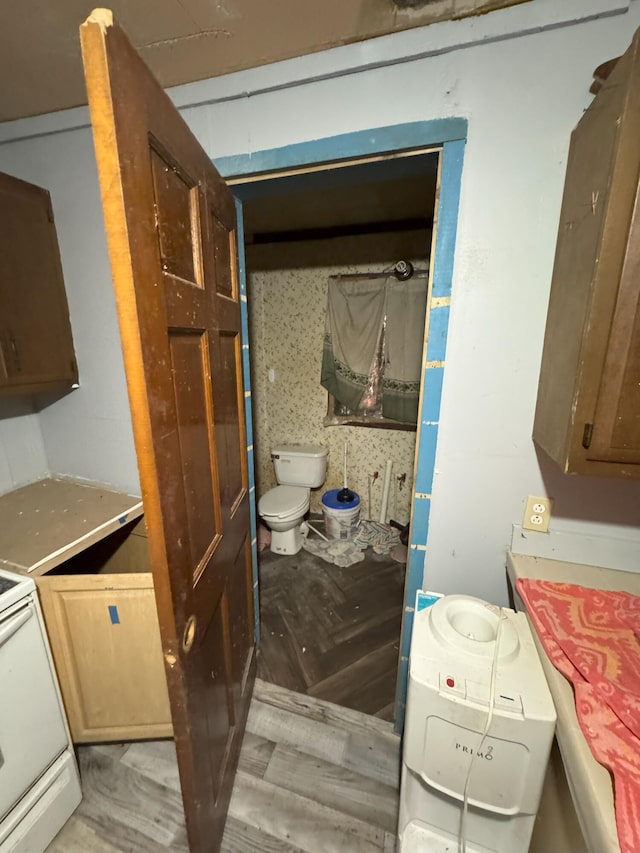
{"type": "Point", "coordinates": [286, 313]}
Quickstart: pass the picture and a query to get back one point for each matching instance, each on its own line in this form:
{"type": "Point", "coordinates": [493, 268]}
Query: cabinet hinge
{"type": "Point", "coordinates": [587, 436]}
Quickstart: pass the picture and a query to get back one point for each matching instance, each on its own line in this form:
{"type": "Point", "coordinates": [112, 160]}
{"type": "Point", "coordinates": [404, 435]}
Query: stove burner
{"type": "Point", "coordinates": [6, 584]}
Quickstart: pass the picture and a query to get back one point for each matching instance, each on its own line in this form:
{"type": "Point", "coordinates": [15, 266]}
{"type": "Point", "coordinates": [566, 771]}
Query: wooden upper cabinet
{"type": "Point", "coordinates": [36, 347]}
{"type": "Point", "coordinates": [588, 410]}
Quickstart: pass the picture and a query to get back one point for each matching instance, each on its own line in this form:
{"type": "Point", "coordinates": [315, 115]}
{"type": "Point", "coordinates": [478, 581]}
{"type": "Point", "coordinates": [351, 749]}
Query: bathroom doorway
{"type": "Point", "coordinates": [331, 631]}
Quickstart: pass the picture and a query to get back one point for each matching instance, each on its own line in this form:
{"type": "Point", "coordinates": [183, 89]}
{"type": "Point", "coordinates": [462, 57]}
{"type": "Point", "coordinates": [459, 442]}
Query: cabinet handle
{"type": "Point", "coordinates": [14, 623]}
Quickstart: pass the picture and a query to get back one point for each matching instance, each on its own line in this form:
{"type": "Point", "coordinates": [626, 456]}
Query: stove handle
{"type": "Point", "coordinates": [14, 623]}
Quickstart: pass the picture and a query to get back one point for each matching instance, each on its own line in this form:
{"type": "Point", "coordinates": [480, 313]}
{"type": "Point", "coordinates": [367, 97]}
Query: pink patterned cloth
{"type": "Point", "coordinates": [592, 637]}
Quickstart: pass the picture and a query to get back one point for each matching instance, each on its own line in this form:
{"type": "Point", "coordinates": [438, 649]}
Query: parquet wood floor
{"type": "Point", "coordinates": [313, 778]}
{"type": "Point", "coordinates": [332, 632]}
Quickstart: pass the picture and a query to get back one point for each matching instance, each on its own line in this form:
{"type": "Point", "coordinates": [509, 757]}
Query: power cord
{"type": "Point", "coordinates": [462, 836]}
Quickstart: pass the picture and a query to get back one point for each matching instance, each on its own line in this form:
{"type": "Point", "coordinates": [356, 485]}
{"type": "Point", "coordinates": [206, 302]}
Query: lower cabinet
{"type": "Point", "coordinates": [100, 613]}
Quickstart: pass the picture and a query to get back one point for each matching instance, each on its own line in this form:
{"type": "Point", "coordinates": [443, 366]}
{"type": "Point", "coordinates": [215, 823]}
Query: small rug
{"type": "Point", "coordinates": [374, 534]}
{"type": "Point", "coordinates": [340, 552]}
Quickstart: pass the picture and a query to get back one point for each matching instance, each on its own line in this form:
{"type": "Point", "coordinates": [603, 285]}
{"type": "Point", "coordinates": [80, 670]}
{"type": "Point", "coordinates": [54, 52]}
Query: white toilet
{"type": "Point", "coordinates": [299, 468]}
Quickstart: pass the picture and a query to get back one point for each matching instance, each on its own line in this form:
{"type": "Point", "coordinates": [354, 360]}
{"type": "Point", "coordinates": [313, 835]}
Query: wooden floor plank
{"type": "Point", "coordinates": [255, 754]}
{"type": "Point", "coordinates": [390, 843]}
{"type": "Point", "coordinates": [325, 789]}
{"type": "Point", "coordinates": [321, 710]}
{"type": "Point", "coordinates": [333, 786]}
{"type": "Point", "coordinates": [300, 821]}
{"type": "Point", "coordinates": [156, 760]}
{"type": "Point", "coordinates": [332, 626]}
{"type": "Point", "coordinates": [77, 836]}
{"type": "Point", "coordinates": [371, 757]}
{"type": "Point", "coordinates": [369, 672]}
{"type": "Point", "coordinates": [121, 804]}
{"type": "Point", "coordinates": [240, 837]}
{"type": "Point", "coordinates": [317, 739]}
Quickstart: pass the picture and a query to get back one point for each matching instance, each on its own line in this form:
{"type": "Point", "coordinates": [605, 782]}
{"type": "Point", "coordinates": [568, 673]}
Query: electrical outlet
{"type": "Point", "coordinates": [537, 514]}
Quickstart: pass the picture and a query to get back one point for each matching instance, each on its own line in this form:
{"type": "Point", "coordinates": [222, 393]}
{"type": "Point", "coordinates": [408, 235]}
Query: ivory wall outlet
{"type": "Point", "coordinates": [537, 514]}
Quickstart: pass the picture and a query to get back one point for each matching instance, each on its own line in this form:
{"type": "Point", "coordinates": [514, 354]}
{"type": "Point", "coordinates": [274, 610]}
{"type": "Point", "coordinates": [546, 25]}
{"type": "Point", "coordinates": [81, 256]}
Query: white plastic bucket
{"type": "Point", "coordinates": [340, 522]}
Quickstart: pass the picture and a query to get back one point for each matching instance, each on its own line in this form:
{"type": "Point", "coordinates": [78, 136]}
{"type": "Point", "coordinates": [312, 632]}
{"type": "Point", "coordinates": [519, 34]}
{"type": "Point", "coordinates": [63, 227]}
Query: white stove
{"type": "Point", "coordinates": [39, 783]}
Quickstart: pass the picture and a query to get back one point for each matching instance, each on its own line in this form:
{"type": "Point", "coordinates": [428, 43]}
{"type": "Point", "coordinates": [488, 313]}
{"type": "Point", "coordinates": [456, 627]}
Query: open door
{"type": "Point", "coordinates": [171, 230]}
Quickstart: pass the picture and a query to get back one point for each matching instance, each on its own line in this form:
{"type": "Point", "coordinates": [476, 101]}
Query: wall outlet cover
{"type": "Point", "coordinates": [537, 513]}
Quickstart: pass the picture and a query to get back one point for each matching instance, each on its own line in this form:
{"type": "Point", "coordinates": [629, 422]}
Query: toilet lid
{"type": "Point", "coordinates": [283, 500]}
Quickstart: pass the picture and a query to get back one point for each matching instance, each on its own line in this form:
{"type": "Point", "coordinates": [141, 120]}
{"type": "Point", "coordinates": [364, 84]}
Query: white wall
{"type": "Point", "coordinates": [22, 454]}
{"type": "Point", "coordinates": [521, 96]}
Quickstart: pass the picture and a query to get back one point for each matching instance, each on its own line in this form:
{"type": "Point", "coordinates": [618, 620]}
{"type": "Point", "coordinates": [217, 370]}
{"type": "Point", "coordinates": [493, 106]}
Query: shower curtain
{"type": "Point", "coordinates": [364, 313]}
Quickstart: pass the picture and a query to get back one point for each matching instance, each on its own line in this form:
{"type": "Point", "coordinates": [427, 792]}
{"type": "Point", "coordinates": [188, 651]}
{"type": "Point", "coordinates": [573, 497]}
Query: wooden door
{"type": "Point", "coordinates": [170, 223]}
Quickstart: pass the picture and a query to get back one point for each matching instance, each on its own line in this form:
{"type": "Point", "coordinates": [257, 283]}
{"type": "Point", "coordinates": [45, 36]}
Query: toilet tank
{"type": "Point", "coordinates": [300, 464]}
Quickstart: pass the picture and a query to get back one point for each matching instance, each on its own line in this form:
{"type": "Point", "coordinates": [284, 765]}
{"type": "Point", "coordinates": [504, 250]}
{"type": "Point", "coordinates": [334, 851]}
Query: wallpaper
{"type": "Point", "coordinates": [286, 312]}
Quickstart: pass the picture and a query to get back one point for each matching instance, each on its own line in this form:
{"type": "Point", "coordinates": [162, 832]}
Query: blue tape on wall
{"type": "Point", "coordinates": [113, 614]}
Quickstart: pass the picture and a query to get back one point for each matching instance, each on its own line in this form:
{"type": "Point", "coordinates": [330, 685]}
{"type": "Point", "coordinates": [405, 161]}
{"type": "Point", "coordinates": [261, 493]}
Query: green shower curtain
{"type": "Point", "coordinates": [363, 312]}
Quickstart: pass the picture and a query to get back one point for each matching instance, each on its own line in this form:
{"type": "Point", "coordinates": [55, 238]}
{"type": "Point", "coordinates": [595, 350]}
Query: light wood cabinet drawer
{"type": "Point", "coordinates": [100, 612]}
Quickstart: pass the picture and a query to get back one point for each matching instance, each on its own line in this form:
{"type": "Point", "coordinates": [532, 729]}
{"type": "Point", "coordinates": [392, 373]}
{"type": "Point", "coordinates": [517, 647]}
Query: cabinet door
{"type": "Point", "coordinates": [36, 348]}
{"type": "Point", "coordinates": [588, 412]}
{"type": "Point", "coordinates": [105, 641]}
{"type": "Point", "coordinates": [616, 428]}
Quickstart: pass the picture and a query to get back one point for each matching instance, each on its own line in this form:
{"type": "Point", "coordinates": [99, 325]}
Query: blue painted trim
{"type": "Point", "coordinates": [426, 463]}
{"type": "Point", "coordinates": [449, 134]}
{"type": "Point", "coordinates": [444, 253]}
{"type": "Point", "coordinates": [450, 181]}
{"type": "Point", "coordinates": [420, 520]}
{"type": "Point", "coordinates": [248, 414]}
{"type": "Point", "coordinates": [379, 140]}
{"type": "Point", "coordinates": [438, 328]}
{"type": "Point", "coordinates": [432, 394]}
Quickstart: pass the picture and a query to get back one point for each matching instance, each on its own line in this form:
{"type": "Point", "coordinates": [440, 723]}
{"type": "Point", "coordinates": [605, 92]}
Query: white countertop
{"type": "Point", "coordinates": [590, 783]}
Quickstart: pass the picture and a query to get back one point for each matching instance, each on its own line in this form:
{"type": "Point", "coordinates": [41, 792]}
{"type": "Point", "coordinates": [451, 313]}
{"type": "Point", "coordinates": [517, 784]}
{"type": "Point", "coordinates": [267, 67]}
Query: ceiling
{"type": "Point", "coordinates": [365, 213]}
{"type": "Point", "coordinates": [187, 40]}
{"type": "Point", "coordinates": [395, 194]}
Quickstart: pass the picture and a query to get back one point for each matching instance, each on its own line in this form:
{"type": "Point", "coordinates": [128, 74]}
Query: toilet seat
{"type": "Point", "coordinates": [284, 502]}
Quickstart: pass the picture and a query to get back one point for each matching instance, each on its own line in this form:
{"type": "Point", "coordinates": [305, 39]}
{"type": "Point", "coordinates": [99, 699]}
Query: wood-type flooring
{"type": "Point", "coordinates": [313, 778]}
{"type": "Point", "coordinates": [332, 632]}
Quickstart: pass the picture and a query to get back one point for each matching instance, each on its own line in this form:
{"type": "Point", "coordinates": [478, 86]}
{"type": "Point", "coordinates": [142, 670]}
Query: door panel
{"type": "Point", "coordinates": [224, 249]}
{"type": "Point", "coordinates": [177, 216]}
{"type": "Point", "coordinates": [234, 472]}
{"type": "Point", "coordinates": [170, 223]}
{"type": "Point", "coordinates": [189, 363]}
{"type": "Point", "coordinates": [242, 630]}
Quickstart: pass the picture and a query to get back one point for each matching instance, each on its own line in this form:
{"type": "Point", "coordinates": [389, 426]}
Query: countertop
{"type": "Point", "coordinates": [590, 783]}
{"type": "Point", "coordinates": [47, 522]}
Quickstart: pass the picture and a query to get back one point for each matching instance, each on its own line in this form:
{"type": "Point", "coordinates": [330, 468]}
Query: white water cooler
{"type": "Point", "coordinates": [446, 747]}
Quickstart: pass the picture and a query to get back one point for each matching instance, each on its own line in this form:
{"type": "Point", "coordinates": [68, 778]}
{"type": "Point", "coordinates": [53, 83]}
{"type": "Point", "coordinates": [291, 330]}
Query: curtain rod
{"type": "Point", "coordinates": [402, 270]}
{"type": "Point", "coordinates": [387, 274]}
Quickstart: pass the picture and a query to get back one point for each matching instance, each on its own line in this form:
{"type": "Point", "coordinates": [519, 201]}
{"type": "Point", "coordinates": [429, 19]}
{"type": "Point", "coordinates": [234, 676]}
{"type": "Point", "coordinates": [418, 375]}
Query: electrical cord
{"type": "Point", "coordinates": [462, 835]}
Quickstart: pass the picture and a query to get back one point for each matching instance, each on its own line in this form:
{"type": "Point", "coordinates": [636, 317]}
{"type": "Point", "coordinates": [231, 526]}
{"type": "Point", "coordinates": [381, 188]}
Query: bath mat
{"type": "Point", "coordinates": [374, 534]}
{"type": "Point", "coordinates": [340, 552]}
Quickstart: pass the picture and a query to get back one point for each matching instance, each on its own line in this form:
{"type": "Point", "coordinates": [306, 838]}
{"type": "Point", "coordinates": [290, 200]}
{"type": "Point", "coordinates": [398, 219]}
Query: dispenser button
{"type": "Point", "coordinates": [449, 684]}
